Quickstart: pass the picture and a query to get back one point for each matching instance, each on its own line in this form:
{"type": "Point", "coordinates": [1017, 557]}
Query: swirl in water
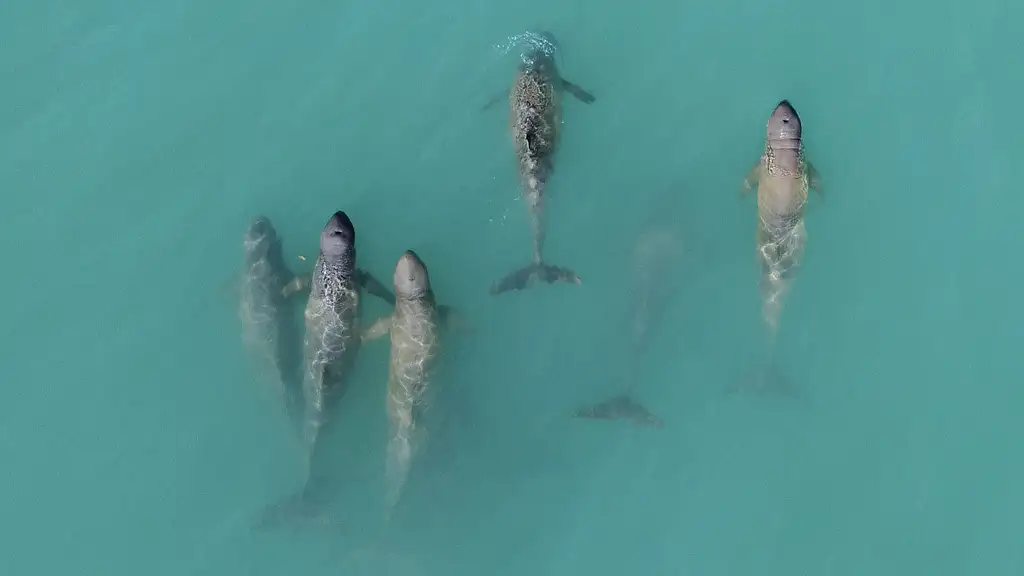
{"type": "Point", "coordinates": [529, 42]}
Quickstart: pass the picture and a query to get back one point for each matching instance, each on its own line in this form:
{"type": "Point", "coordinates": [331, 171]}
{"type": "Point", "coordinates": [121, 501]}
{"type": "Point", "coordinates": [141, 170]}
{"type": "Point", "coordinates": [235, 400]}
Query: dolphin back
{"type": "Point", "coordinates": [270, 331]}
{"type": "Point", "coordinates": [415, 346]}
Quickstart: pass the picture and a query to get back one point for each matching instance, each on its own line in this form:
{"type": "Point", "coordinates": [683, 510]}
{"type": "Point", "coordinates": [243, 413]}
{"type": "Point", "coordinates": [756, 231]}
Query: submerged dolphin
{"type": "Point", "coordinates": [269, 330]}
{"type": "Point", "coordinates": [656, 256]}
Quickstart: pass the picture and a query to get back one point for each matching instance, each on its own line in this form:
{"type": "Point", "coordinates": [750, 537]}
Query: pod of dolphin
{"type": "Point", "coordinates": [312, 376]}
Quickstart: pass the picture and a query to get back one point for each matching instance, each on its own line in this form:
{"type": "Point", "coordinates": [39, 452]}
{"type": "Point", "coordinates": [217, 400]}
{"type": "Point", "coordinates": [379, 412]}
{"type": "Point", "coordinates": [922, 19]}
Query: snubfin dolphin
{"type": "Point", "coordinates": [783, 176]}
{"type": "Point", "coordinates": [333, 337]}
{"type": "Point", "coordinates": [415, 329]}
{"type": "Point", "coordinates": [269, 330]}
{"type": "Point", "coordinates": [535, 119]}
{"type": "Point", "coordinates": [656, 254]}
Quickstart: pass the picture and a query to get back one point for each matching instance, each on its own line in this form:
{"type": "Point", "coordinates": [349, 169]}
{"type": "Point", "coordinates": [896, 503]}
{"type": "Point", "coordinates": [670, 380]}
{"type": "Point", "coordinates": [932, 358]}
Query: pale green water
{"type": "Point", "coordinates": [136, 141]}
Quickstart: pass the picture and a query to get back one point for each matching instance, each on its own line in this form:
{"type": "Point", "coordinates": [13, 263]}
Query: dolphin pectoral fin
{"type": "Point", "coordinates": [378, 329]}
{"type": "Point", "coordinates": [752, 178]}
{"type": "Point", "coordinates": [452, 319]}
{"type": "Point", "coordinates": [528, 275]}
{"type": "Point", "coordinates": [621, 407]}
{"type": "Point", "coordinates": [580, 94]}
{"type": "Point", "coordinates": [374, 286]}
{"type": "Point", "coordinates": [494, 100]}
{"type": "Point", "coordinates": [814, 179]}
{"type": "Point", "coordinates": [299, 283]}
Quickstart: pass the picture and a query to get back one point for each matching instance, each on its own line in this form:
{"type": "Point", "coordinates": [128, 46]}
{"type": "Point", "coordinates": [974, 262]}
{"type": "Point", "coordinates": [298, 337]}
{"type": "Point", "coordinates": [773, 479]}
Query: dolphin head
{"type": "Point", "coordinates": [261, 240]}
{"type": "Point", "coordinates": [541, 54]}
{"type": "Point", "coordinates": [784, 123]}
{"type": "Point", "coordinates": [338, 238]}
{"type": "Point", "coordinates": [411, 277]}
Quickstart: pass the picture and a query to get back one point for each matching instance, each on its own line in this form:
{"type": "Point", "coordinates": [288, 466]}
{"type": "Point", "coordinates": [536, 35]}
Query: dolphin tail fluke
{"type": "Point", "coordinates": [529, 275]}
{"type": "Point", "coordinates": [280, 512]}
{"type": "Point", "coordinates": [307, 506]}
{"type": "Point", "coordinates": [621, 407]}
{"type": "Point", "coordinates": [298, 508]}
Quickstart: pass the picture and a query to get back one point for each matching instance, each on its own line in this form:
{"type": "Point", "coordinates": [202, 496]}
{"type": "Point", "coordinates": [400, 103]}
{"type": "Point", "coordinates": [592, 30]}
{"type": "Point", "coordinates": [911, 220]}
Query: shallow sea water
{"type": "Point", "coordinates": [138, 140]}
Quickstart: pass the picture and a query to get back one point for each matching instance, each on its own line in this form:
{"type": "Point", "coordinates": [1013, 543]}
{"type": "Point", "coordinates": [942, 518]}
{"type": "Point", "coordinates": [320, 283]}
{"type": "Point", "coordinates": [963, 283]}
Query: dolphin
{"type": "Point", "coordinates": [269, 331]}
{"type": "Point", "coordinates": [330, 349]}
{"type": "Point", "coordinates": [783, 176]}
{"type": "Point", "coordinates": [655, 258]}
{"type": "Point", "coordinates": [415, 329]}
{"type": "Point", "coordinates": [535, 120]}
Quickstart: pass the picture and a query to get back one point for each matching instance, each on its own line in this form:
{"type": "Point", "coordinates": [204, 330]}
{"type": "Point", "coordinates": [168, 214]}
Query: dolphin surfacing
{"type": "Point", "coordinates": [415, 329]}
{"type": "Point", "coordinates": [535, 118]}
{"type": "Point", "coordinates": [783, 177]}
{"type": "Point", "coordinates": [329, 352]}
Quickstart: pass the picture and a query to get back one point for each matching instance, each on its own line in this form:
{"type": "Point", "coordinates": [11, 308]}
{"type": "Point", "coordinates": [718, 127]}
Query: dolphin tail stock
{"type": "Point", "coordinates": [528, 275]}
{"type": "Point", "coordinates": [399, 455]}
{"type": "Point", "coordinates": [293, 408]}
{"type": "Point", "coordinates": [287, 401]}
{"type": "Point", "coordinates": [621, 407]}
{"type": "Point", "coordinates": [778, 260]}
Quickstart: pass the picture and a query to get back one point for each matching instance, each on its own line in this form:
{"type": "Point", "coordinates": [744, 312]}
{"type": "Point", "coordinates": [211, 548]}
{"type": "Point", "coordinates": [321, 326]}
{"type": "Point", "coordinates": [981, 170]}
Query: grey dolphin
{"type": "Point", "coordinates": [535, 106]}
{"type": "Point", "coordinates": [330, 348]}
{"type": "Point", "coordinates": [655, 257]}
{"type": "Point", "coordinates": [783, 177]}
{"type": "Point", "coordinates": [415, 329]}
{"type": "Point", "coordinates": [269, 330]}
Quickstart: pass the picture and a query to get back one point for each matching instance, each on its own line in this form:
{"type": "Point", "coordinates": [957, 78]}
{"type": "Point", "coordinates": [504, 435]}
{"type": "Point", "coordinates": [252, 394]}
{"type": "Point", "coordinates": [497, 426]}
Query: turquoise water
{"type": "Point", "coordinates": [138, 139]}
